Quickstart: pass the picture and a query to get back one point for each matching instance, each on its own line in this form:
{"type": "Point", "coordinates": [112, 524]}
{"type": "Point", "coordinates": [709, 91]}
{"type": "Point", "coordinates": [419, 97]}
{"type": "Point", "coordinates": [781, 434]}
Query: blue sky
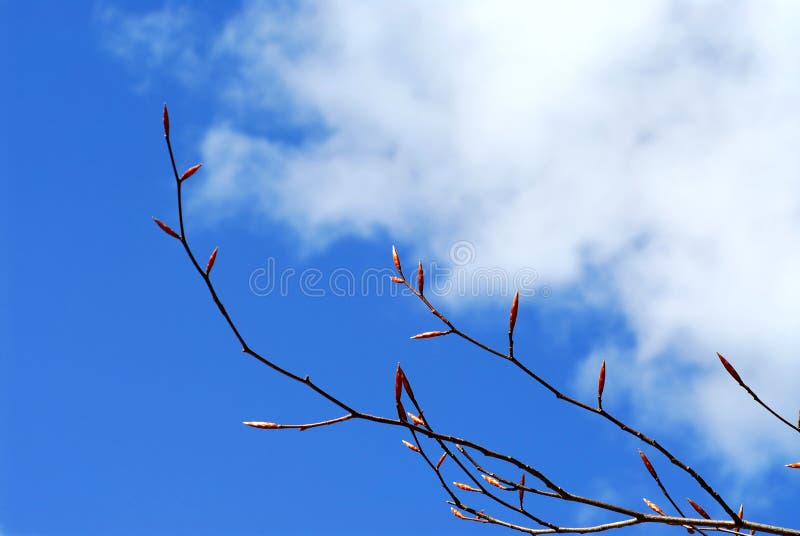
{"type": "Point", "coordinates": [640, 165]}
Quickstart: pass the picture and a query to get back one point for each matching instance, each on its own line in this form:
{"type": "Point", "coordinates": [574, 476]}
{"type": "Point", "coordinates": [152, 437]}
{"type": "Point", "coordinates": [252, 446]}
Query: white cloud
{"type": "Point", "coordinates": [654, 143]}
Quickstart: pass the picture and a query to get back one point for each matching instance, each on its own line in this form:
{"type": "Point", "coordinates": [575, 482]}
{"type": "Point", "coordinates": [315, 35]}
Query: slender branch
{"type": "Point", "coordinates": [735, 375]}
{"type": "Point", "coordinates": [561, 396]}
{"type": "Point", "coordinates": [555, 491]}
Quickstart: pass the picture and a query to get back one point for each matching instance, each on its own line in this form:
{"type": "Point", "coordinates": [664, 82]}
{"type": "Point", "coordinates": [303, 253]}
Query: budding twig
{"type": "Point", "coordinates": [735, 375]}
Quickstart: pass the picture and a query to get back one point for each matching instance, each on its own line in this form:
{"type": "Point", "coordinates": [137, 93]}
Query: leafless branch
{"type": "Point", "coordinates": [454, 448]}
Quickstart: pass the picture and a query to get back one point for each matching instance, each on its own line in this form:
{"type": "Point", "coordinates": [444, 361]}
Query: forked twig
{"type": "Point", "coordinates": [419, 425]}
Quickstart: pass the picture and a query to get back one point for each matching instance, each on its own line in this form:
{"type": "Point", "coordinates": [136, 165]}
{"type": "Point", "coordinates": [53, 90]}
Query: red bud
{"type": "Point", "coordinates": [398, 280]}
{"type": "Point", "coordinates": [166, 122]}
{"type": "Point", "coordinates": [191, 171]}
{"type": "Point", "coordinates": [441, 460]}
{"type": "Point", "coordinates": [396, 259]}
{"type": "Point", "coordinates": [648, 465]}
{"type": "Point", "coordinates": [521, 491]}
{"type": "Point", "coordinates": [699, 509]}
{"type": "Point", "coordinates": [211, 260]}
{"type": "Point", "coordinates": [429, 334]}
{"type": "Point", "coordinates": [729, 368]}
{"type": "Point", "coordinates": [795, 465]}
{"type": "Point", "coordinates": [601, 384]}
{"type": "Point", "coordinates": [166, 229]}
{"type": "Point", "coordinates": [512, 319]}
{"type": "Point", "coordinates": [420, 278]}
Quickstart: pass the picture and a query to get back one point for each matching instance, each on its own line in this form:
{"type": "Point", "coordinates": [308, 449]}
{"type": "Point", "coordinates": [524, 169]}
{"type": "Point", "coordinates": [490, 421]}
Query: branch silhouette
{"type": "Point", "coordinates": [499, 490]}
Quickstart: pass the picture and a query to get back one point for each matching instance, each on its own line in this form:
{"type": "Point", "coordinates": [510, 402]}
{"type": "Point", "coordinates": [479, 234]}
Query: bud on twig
{"type": "Point", "coordinates": [420, 278]}
{"type": "Point", "coordinates": [493, 481]}
{"type": "Point", "coordinates": [740, 514]}
{"type": "Point", "coordinates": [795, 465]}
{"type": "Point", "coordinates": [166, 228]}
{"type": "Point", "coordinates": [429, 334]}
{"type": "Point", "coordinates": [465, 487]}
{"type": "Point", "coordinates": [654, 507]}
{"type": "Point", "coordinates": [412, 447]}
{"type": "Point", "coordinates": [398, 392]}
{"type": "Point", "coordinates": [521, 491]}
{"type": "Point", "coordinates": [396, 260]}
{"type": "Point", "coordinates": [648, 465]}
{"type": "Point", "coordinates": [398, 280]}
{"type": "Point", "coordinates": [263, 425]}
{"type": "Point", "coordinates": [601, 384]}
{"type": "Point", "coordinates": [189, 172]}
{"type": "Point", "coordinates": [166, 122]}
{"type": "Point", "coordinates": [699, 509]}
{"type": "Point", "coordinates": [416, 420]}
{"type": "Point", "coordinates": [512, 318]}
{"type": "Point", "coordinates": [441, 460]}
{"type": "Point", "coordinates": [729, 368]}
{"type": "Point", "coordinates": [211, 259]}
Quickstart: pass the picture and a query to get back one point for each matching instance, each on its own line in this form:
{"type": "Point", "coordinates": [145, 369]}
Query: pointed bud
{"type": "Point", "coordinates": [465, 487]}
{"type": "Point", "coordinates": [429, 334]}
{"type": "Point", "coordinates": [166, 229]}
{"type": "Point", "coordinates": [521, 490]}
{"type": "Point", "coordinates": [263, 425]}
{"type": "Point", "coordinates": [647, 464]}
{"type": "Point", "coordinates": [741, 515]}
{"type": "Point", "coordinates": [398, 280]}
{"type": "Point", "coordinates": [459, 515]}
{"type": "Point", "coordinates": [412, 447]}
{"type": "Point", "coordinates": [191, 171]}
{"type": "Point", "coordinates": [512, 319]}
{"type": "Point", "coordinates": [493, 481]}
{"type": "Point", "coordinates": [416, 420]}
{"type": "Point", "coordinates": [441, 460]}
{"type": "Point", "coordinates": [211, 259]}
{"type": "Point", "coordinates": [398, 392]}
{"type": "Point", "coordinates": [729, 368]}
{"type": "Point", "coordinates": [166, 122]}
{"type": "Point", "coordinates": [699, 509]}
{"type": "Point", "coordinates": [654, 507]}
{"type": "Point", "coordinates": [398, 383]}
{"type": "Point", "coordinates": [601, 384]}
{"type": "Point", "coordinates": [396, 260]}
{"type": "Point", "coordinates": [795, 465]}
{"type": "Point", "coordinates": [420, 278]}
